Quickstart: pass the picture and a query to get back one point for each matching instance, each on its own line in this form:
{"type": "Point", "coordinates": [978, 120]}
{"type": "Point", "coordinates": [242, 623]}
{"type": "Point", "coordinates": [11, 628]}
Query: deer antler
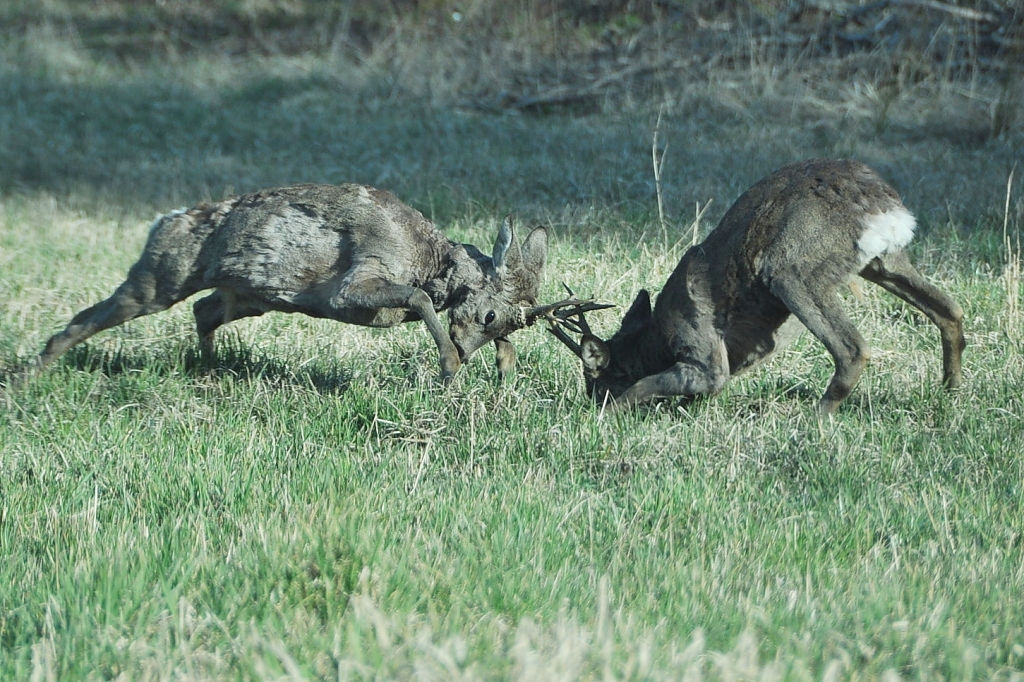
{"type": "Point", "coordinates": [553, 312]}
{"type": "Point", "coordinates": [566, 339]}
{"type": "Point", "coordinates": [572, 319]}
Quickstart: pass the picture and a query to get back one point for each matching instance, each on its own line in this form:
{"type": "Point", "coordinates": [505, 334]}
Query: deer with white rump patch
{"type": "Point", "coordinates": [783, 249]}
{"type": "Point", "coordinates": [345, 252]}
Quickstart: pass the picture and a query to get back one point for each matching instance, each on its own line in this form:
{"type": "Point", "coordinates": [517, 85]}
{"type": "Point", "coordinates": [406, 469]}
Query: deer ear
{"type": "Point", "coordinates": [639, 313]}
{"type": "Point", "coordinates": [535, 251]}
{"type": "Point", "coordinates": [595, 354]}
{"type": "Point", "coordinates": [525, 271]}
{"type": "Point", "coordinates": [506, 254]}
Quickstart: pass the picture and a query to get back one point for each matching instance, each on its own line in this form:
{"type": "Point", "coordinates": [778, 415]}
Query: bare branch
{"type": "Point", "coordinates": [961, 12]}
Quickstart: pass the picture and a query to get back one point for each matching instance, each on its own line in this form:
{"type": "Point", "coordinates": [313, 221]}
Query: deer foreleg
{"type": "Point", "coordinates": [684, 378]}
{"type": "Point", "coordinates": [134, 298]}
{"type": "Point", "coordinates": [379, 293]}
{"type": "Point", "coordinates": [681, 379]}
{"type": "Point", "coordinates": [505, 357]}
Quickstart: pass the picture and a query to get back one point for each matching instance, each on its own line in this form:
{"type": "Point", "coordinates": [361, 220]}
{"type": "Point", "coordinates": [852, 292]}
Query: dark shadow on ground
{"type": "Point", "coordinates": [236, 360]}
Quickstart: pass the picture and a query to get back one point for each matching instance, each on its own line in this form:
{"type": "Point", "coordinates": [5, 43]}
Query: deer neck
{"type": "Point", "coordinates": [654, 354]}
{"type": "Point", "coordinates": [642, 352]}
{"type": "Point", "coordinates": [463, 266]}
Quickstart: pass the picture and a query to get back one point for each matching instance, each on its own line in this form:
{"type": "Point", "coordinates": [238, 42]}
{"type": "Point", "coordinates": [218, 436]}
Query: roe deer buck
{"type": "Point", "coordinates": [784, 247]}
{"type": "Point", "coordinates": [346, 252]}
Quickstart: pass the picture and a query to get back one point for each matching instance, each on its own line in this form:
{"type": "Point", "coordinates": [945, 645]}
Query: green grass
{"type": "Point", "coordinates": [315, 505]}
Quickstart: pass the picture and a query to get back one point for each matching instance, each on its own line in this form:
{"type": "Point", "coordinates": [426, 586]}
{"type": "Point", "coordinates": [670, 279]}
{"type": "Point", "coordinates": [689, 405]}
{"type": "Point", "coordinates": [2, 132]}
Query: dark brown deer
{"type": "Point", "coordinates": [345, 252]}
{"type": "Point", "coordinates": [784, 248]}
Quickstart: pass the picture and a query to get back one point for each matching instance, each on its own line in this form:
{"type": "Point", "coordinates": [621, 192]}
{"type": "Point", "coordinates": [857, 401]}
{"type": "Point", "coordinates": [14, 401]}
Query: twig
{"type": "Point", "coordinates": [1011, 272]}
{"type": "Point", "coordinates": [961, 12]}
{"type": "Point", "coordinates": [698, 213]}
{"type": "Point", "coordinates": [658, 163]}
{"type": "Point", "coordinates": [567, 94]}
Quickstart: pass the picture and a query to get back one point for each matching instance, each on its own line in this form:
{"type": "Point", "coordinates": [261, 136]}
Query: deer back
{"type": "Point", "coordinates": [291, 243]}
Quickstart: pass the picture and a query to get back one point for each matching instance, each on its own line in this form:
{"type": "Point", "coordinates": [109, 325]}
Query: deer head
{"type": "Point", "coordinates": [609, 367]}
{"type": "Point", "coordinates": [499, 304]}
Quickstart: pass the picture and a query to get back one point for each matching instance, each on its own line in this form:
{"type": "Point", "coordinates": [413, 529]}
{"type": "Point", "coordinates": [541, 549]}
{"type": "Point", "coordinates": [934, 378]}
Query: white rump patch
{"type": "Point", "coordinates": [886, 232]}
{"type": "Point", "coordinates": [161, 218]}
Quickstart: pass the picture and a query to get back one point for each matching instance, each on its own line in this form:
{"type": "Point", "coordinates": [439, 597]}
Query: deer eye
{"type": "Point", "coordinates": [489, 317]}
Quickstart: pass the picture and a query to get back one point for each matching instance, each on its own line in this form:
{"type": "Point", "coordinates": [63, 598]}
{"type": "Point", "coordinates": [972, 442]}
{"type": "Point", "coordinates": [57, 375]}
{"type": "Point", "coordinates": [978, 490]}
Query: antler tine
{"type": "Point", "coordinates": [572, 320]}
{"type": "Point", "coordinates": [558, 318]}
{"type": "Point", "coordinates": [577, 321]}
{"type": "Point", "coordinates": [580, 326]}
{"type": "Point", "coordinates": [567, 322]}
{"type": "Point", "coordinates": [566, 339]}
{"type": "Point", "coordinates": [550, 312]}
{"type": "Point", "coordinates": [581, 321]}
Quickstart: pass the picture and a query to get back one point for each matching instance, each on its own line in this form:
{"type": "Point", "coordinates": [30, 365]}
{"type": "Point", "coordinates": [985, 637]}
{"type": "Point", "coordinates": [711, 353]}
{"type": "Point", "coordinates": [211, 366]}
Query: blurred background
{"type": "Point", "coordinates": [477, 107]}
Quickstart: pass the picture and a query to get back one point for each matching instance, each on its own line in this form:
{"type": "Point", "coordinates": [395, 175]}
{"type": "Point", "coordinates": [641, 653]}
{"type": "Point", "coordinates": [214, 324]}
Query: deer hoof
{"type": "Point", "coordinates": [827, 407]}
{"type": "Point", "coordinates": [448, 370]}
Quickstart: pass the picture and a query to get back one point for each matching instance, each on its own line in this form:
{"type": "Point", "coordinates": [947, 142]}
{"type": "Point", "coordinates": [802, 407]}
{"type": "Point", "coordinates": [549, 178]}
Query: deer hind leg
{"type": "Point", "coordinates": [894, 273]}
{"type": "Point", "coordinates": [819, 310]}
{"type": "Point", "coordinates": [136, 297]}
{"type": "Point", "coordinates": [217, 309]}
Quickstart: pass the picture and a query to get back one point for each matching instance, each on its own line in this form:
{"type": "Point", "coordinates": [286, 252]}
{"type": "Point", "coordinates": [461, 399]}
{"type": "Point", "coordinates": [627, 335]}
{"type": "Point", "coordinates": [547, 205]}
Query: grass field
{"type": "Point", "coordinates": [316, 506]}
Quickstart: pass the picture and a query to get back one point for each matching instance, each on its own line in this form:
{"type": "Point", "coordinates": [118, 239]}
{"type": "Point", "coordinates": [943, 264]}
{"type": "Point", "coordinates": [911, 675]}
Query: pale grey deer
{"type": "Point", "coordinates": [351, 253]}
{"type": "Point", "coordinates": [784, 248]}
